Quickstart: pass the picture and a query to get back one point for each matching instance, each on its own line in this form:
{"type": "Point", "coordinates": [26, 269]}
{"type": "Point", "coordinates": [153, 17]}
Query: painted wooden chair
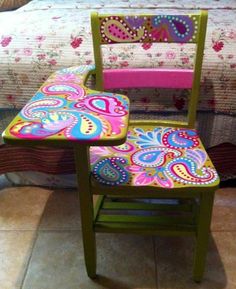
{"type": "Point", "coordinates": [160, 159]}
{"type": "Point", "coordinates": [147, 159]}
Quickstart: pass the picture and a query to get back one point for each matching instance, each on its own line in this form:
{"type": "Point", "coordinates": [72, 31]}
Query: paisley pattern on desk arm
{"type": "Point", "coordinates": [65, 109]}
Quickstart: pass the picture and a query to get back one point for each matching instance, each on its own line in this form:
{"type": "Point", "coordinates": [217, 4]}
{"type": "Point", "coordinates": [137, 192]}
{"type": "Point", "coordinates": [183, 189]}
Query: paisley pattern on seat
{"type": "Point", "coordinates": [155, 156]}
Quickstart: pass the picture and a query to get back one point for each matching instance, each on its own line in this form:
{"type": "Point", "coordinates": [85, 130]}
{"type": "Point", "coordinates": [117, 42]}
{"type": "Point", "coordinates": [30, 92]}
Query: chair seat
{"type": "Point", "coordinates": [156, 157]}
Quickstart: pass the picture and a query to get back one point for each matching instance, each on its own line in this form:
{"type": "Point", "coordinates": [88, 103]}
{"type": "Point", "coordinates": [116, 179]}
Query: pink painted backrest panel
{"type": "Point", "coordinates": [145, 77]}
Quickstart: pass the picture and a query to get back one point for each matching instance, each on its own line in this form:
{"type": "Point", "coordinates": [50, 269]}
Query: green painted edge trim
{"type": "Point", "coordinates": [146, 15]}
{"type": "Point", "coordinates": [192, 108]}
{"type": "Point", "coordinates": [147, 192]}
{"type": "Point", "coordinates": [97, 50]}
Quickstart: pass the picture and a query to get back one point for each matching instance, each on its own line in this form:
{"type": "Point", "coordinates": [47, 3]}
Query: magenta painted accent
{"type": "Point", "coordinates": [145, 77]}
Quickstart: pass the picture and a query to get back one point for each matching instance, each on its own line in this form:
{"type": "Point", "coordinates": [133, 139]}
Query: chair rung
{"type": "Point", "coordinates": [141, 217]}
{"type": "Point", "coordinates": [142, 228]}
{"type": "Point", "coordinates": [147, 206]}
{"type": "Point", "coordinates": [161, 220]}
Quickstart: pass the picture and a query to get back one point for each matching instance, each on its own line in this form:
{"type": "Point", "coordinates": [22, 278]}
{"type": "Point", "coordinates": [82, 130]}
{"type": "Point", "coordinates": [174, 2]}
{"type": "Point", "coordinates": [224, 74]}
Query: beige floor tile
{"type": "Point", "coordinates": [123, 262]}
{"type": "Point", "coordinates": [61, 211]}
{"type": "Point", "coordinates": [224, 212]}
{"type": "Point", "coordinates": [21, 208]}
{"type": "Point", "coordinates": [15, 250]}
{"type": "Point", "coordinates": [175, 259]}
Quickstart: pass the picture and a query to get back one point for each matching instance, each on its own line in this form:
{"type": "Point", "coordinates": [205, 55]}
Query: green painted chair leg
{"type": "Point", "coordinates": [203, 233]}
{"type": "Point", "coordinates": [89, 243]}
{"type": "Point", "coordinates": [86, 208]}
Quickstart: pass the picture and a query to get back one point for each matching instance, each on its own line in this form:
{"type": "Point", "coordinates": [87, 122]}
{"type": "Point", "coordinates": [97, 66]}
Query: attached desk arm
{"type": "Point", "coordinates": [66, 112]}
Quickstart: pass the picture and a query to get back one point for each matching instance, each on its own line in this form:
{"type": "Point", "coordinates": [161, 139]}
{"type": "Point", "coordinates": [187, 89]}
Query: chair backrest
{"type": "Point", "coordinates": [114, 29]}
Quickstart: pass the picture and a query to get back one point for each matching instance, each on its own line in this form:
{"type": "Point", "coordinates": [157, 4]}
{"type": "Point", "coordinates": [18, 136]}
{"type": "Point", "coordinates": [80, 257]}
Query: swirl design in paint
{"type": "Point", "coordinates": [127, 147]}
{"type": "Point", "coordinates": [180, 138]}
{"type": "Point", "coordinates": [172, 28]}
{"type": "Point", "coordinates": [103, 104]}
{"type": "Point", "coordinates": [38, 108]}
{"type": "Point", "coordinates": [150, 28]}
{"type": "Point", "coordinates": [185, 170]}
{"type": "Point", "coordinates": [30, 130]}
{"type": "Point", "coordinates": [110, 171]}
{"type": "Point", "coordinates": [147, 139]}
{"type": "Point", "coordinates": [153, 157]}
{"type": "Point", "coordinates": [71, 90]}
{"type": "Point", "coordinates": [75, 125]}
{"type": "Point", "coordinates": [115, 29]}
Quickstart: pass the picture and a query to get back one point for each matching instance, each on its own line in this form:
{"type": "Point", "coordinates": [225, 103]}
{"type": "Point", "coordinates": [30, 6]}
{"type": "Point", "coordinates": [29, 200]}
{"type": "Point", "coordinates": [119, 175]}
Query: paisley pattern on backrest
{"type": "Point", "coordinates": [149, 28]}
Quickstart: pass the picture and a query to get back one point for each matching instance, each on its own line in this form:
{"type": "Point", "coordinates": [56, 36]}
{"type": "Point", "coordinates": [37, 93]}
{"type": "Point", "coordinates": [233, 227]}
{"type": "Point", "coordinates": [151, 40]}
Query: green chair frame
{"type": "Point", "coordinates": [198, 201]}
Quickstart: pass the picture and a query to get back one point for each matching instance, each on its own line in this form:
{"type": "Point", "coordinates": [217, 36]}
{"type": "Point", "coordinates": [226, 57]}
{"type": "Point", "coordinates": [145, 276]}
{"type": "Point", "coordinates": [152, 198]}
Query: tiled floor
{"type": "Point", "coordinates": [41, 247]}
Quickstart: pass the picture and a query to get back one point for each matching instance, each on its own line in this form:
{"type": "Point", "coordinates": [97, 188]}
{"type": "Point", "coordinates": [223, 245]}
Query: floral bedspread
{"type": "Point", "coordinates": [47, 35]}
{"type": "Point", "coordinates": [44, 36]}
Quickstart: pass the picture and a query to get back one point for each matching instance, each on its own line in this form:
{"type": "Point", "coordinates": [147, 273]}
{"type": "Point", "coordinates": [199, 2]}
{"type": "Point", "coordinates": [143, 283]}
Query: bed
{"type": "Point", "coordinates": [45, 35]}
